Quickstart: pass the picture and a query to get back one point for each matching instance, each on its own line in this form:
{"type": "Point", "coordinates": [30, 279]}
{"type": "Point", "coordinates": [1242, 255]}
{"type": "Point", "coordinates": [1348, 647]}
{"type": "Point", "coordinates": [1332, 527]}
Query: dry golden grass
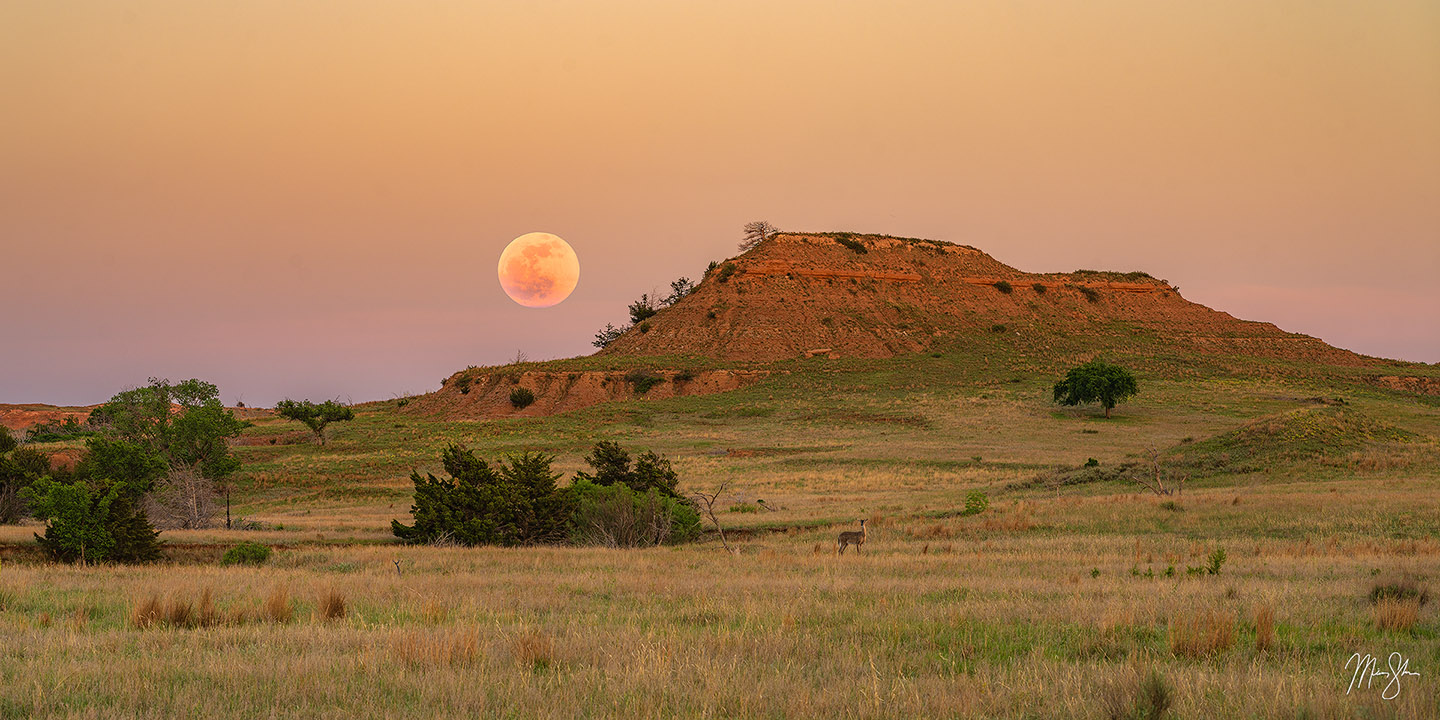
{"type": "Point", "coordinates": [1264, 628]}
{"type": "Point", "coordinates": [533, 649]}
{"type": "Point", "coordinates": [1202, 633]}
{"type": "Point", "coordinates": [331, 605]}
{"type": "Point", "coordinates": [146, 613]}
{"type": "Point", "coordinates": [1397, 615]}
{"type": "Point", "coordinates": [179, 612]}
{"type": "Point", "coordinates": [434, 648]}
{"type": "Point", "coordinates": [278, 608]}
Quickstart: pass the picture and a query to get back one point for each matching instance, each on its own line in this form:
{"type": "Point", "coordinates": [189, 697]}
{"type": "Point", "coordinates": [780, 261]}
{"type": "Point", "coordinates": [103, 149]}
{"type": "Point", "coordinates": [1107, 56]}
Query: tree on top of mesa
{"type": "Point", "coordinates": [315, 417]}
{"type": "Point", "coordinates": [1096, 381]}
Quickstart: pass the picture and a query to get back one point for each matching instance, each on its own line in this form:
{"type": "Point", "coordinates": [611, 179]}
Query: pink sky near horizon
{"type": "Point", "coordinates": [308, 198]}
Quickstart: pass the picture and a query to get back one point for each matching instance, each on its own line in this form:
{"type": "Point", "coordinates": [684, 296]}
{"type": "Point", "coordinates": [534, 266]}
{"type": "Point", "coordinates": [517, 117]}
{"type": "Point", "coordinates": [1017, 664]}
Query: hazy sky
{"type": "Point", "coordinates": [309, 198]}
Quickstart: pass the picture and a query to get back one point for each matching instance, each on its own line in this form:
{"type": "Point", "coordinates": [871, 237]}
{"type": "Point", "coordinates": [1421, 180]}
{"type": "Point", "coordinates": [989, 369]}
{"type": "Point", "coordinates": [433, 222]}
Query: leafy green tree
{"type": "Point", "coordinates": [514, 502]}
{"type": "Point", "coordinates": [98, 513]}
{"type": "Point", "coordinates": [124, 460]}
{"type": "Point", "coordinates": [183, 424]}
{"type": "Point", "coordinates": [92, 521]}
{"type": "Point", "coordinates": [315, 417]}
{"type": "Point", "coordinates": [19, 467]}
{"type": "Point", "coordinates": [7, 441]}
{"type": "Point", "coordinates": [1096, 381]}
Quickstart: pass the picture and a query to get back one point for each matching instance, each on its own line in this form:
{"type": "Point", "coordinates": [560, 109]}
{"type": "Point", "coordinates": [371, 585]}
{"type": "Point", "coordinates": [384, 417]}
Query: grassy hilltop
{"type": "Point", "coordinates": [1075, 594]}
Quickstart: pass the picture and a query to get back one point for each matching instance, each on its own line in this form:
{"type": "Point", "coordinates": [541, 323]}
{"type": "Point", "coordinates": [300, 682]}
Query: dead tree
{"type": "Point", "coordinates": [756, 233]}
{"type": "Point", "coordinates": [707, 502]}
{"type": "Point", "coordinates": [1156, 483]}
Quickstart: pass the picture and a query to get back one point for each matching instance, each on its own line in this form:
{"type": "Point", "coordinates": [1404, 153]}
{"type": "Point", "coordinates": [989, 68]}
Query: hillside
{"type": "Point", "coordinates": [872, 296]}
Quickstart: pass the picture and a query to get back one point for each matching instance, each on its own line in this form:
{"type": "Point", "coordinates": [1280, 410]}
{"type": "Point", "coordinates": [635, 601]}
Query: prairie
{"type": "Point", "coordinates": [1057, 601]}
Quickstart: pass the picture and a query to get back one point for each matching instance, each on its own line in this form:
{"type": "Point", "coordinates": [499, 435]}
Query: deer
{"type": "Point", "coordinates": [852, 537]}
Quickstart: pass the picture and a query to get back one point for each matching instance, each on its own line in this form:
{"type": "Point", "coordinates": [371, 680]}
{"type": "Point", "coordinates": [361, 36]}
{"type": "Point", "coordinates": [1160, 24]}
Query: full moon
{"type": "Point", "coordinates": [539, 269]}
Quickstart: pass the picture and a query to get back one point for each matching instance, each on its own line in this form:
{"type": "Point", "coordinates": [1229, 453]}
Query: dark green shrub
{"type": "Point", "coordinates": [611, 465]}
{"type": "Point", "coordinates": [710, 315]}
{"type": "Point", "coordinates": [644, 327]}
{"type": "Point", "coordinates": [684, 376]}
{"type": "Point", "coordinates": [1092, 462]}
{"type": "Point", "coordinates": [643, 380]}
{"type": "Point", "coordinates": [618, 516]}
{"type": "Point", "coordinates": [998, 328]}
{"type": "Point", "coordinates": [1038, 288]}
{"type": "Point", "coordinates": [855, 245]}
{"type": "Point", "coordinates": [7, 441]}
{"type": "Point", "coordinates": [607, 335]}
{"type": "Point", "coordinates": [521, 398]}
{"type": "Point", "coordinates": [642, 309]}
{"type": "Point", "coordinates": [1090, 293]}
{"type": "Point", "coordinates": [1004, 287]}
{"type": "Point", "coordinates": [246, 553]}
{"type": "Point", "coordinates": [513, 503]}
{"type": "Point", "coordinates": [726, 271]}
{"type": "Point", "coordinates": [92, 521]}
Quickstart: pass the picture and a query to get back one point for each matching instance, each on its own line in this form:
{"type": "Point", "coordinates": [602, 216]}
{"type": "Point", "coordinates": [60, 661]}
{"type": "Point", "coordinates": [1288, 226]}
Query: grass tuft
{"type": "Point", "coordinates": [1202, 633]}
{"type": "Point", "coordinates": [1396, 615]}
{"type": "Point", "coordinates": [331, 606]}
{"type": "Point", "coordinates": [278, 608]}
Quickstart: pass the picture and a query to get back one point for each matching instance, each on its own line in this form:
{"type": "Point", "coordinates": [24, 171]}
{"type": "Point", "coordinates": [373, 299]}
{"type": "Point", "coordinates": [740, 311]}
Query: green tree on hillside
{"type": "Point", "coordinates": [315, 417]}
{"type": "Point", "coordinates": [1096, 381]}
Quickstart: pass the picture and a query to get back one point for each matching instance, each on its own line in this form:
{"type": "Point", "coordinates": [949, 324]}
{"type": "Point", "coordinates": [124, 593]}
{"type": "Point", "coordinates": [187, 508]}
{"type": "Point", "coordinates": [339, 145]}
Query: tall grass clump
{"type": "Point", "coordinates": [331, 606]}
{"type": "Point", "coordinates": [146, 613]}
{"type": "Point", "coordinates": [1202, 633]}
{"type": "Point", "coordinates": [1397, 615]}
{"type": "Point", "coordinates": [278, 608]}
{"type": "Point", "coordinates": [1264, 628]}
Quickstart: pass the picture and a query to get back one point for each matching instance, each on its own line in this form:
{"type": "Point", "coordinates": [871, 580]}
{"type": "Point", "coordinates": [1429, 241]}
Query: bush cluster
{"type": "Point", "coordinates": [521, 398]}
{"type": "Point", "coordinates": [619, 503]}
{"type": "Point", "coordinates": [643, 380]}
{"type": "Point", "coordinates": [246, 553]}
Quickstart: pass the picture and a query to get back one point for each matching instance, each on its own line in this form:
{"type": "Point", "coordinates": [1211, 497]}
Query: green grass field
{"type": "Point", "coordinates": [1058, 601]}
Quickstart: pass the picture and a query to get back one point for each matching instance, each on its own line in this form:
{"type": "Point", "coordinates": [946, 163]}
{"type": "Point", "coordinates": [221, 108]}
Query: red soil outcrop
{"type": "Point", "coordinates": [479, 394]}
{"type": "Point", "coordinates": [799, 292]}
{"type": "Point", "coordinates": [22, 417]}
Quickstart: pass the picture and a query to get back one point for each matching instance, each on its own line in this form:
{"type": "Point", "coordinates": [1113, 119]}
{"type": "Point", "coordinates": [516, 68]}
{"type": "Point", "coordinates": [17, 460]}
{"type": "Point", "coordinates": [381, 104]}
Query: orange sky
{"type": "Point", "coordinates": [306, 198]}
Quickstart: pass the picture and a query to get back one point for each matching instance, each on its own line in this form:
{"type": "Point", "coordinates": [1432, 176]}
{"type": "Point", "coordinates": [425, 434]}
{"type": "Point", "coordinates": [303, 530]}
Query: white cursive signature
{"type": "Point", "coordinates": [1366, 671]}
